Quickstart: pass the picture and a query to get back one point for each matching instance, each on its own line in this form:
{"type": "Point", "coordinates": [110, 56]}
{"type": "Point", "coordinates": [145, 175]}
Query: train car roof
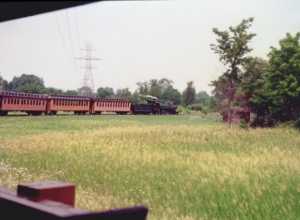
{"type": "Point", "coordinates": [63, 97]}
{"type": "Point", "coordinates": [22, 94]}
{"type": "Point", "coordinates": [111, 99]}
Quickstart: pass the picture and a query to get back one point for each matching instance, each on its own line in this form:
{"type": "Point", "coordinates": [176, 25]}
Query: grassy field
{"type": "Point", "coordinates": [181, 167]}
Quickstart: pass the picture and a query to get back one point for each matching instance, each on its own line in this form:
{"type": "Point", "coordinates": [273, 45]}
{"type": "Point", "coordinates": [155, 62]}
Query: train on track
{"type": "Point", "coordinates": [38, 104]}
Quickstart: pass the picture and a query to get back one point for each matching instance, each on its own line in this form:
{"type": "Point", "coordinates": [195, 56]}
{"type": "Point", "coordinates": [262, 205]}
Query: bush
{"type": "Point", "coordinates": [183, 110]}
{"type": "Point", "coordinates": [243, 124]}
{"type": "Point", "coordinates": [196, 107]}
{"type": "Point", "coordinates": [297, 123]}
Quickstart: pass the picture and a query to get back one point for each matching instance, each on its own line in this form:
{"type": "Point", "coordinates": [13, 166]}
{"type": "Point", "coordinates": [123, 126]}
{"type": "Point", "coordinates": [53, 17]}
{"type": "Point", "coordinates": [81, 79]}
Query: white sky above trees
{"type": "Point", "coordinates": [138, 40]}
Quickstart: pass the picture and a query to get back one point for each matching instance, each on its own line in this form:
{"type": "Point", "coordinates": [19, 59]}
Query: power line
{"type": "Point", "coordinates": [70, 36]}
{"type": "Point", "coordinates": [88, 79]}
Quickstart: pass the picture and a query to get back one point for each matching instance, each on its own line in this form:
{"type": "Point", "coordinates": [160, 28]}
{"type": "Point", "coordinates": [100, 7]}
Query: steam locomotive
{"type": "Point", "coordinates": [38, 104]}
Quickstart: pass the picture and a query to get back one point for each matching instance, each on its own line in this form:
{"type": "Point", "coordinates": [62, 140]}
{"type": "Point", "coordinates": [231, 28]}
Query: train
{"type": "Point", "coordinates": [38, 104]}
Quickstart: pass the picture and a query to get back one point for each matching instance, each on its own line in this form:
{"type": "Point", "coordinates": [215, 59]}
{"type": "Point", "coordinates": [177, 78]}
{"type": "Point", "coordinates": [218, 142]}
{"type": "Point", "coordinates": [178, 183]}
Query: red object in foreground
{"type": "Point", "coordinates": [48, 190]}
{"type": "Point", "coordinates": [52, 203]}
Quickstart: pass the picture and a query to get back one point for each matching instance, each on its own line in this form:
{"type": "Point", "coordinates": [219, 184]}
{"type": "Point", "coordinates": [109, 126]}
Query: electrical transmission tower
{"type": "Point", "coordinates": [88, 79]}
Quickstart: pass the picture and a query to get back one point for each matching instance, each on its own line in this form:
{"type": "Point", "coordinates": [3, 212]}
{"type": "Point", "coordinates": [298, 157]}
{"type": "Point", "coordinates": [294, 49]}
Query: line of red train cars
{"type": "Point", "coordinates": [37, 104]}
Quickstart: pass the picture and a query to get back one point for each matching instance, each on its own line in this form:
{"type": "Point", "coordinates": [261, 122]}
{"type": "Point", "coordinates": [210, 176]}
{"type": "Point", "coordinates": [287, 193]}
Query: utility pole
{"type": "Point", "coordinates": [88, 79]}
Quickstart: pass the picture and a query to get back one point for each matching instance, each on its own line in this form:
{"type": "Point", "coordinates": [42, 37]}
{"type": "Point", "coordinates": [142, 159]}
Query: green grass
{"type": "Point", "coordinates": [181, 167]}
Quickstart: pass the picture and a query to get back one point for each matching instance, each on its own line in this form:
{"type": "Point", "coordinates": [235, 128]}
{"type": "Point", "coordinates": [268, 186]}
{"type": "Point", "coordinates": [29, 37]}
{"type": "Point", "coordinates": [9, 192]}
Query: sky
{"type": "Point", "coordinates": [138, 40]}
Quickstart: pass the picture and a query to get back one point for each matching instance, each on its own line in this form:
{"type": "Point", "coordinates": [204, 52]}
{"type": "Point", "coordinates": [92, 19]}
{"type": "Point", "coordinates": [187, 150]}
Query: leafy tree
{"type": "Point", "coordinates": [202, 98]}
{"type": "Point", "coordinates": [172, 95]}
{"type": "Point", "coordinates": [205, 101]}
{"type": "Point", "coordinates": [280, 93]}
{"type": "Point", "coordinates": [252, 87]}
{"type": "Point", "coordinates": [135, 98]}
{"type": "Point", "coordinates": [123, 93]}
{"type": "Point", "coordinates": [85, 91]}
{"type": "Point", "coordinates": [160, 88]}
{"type": "Point", "coordinates": [53, 91]}
{"type": "Point", "coordinates": [189, 94]}
{"type": "Point", "coordinates": [143, 88]}
{"type": "Point", "coordinates": [155, 88]}
{"type": "Point", "coordinates": [232, 47]}
{"type": "Point", "coordinates": [27, 83]}
{"type": "Point", "coordinates": [71, 93]}
{"type": "Point", "coordinates": [3, 83]}
{"type": "Point", "coordinates": [105, 92]}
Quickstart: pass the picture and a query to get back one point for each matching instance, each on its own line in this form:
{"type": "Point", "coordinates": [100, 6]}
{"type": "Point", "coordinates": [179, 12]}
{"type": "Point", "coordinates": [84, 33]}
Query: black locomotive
{"type": "Point", "coordinates": [153, 106]}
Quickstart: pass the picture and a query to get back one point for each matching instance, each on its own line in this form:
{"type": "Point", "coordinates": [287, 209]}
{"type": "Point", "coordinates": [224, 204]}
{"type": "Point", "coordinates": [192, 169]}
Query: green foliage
{"type": "Point", "coordinates": [196, 107]}
{"type": "Point", "coordinates": [123, 93]}
{"type": "Point", "coordinates": [232, 47]}
{"type": "Point", "coordinates": [53, 91]}
{"type": "Point", "coordinates": [189, 94]}
{"type": "Point", "coordinates": [183, 110]}
{"type": "Point", "coordinates": [160, 88]}
{"type": "Point", "coordinates": [171, 94]}
{"type": "Point", "coordinates": [71, 93]}
{"type": "Point", "coordinates": [297, 123]}
{"type": "Point", "coordinates": [206, 101]}
{"type": "Point", "coordinates": [277, 96]}
{"type": "Point", "coordinates": [3, 84]}
{"type": "Point", "coordinates": [27, 83]}
{"type": "Point", "coordinates": [243, 124]}
{"type": "Point", "coordinates": [105, 92]}
{"type": "Point", "coordinates": [86, 91]}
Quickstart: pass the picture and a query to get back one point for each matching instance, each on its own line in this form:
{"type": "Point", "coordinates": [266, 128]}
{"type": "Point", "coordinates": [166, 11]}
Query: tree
{"type": "Point", "coordinates": [206, 101]}
{"type": "Point", "coordinates": [3, 83]}
{"type": "Point", "coordinates": [105, 92]}
{"type": "Point", "coordinates": [202, 98]}
{"type": "Point", "coordinates": [188, 95]}
{"type": "Point", "coordinates": [27, 83]}
{"type": "Point", "coordinates": [71, 93]}
{"type": "Point", "coordinates": [53, 91]}
{"type": "Point", "coordinates": [123, 93]}
{"type": "Point", "coordinates": [85, 91]}
{"type": "Point", "coordinates": [280, 93]}
{"type": "Point", "coordinates": [232, 49]}
{"type": "Point", "coordinates": [160, 88]}
{"type": "Point", "coordinates": [172, 95]}
{"type": "Point", "coordinates": [143, 88]}
{"type": "Point", "coordinates": [252, 85]}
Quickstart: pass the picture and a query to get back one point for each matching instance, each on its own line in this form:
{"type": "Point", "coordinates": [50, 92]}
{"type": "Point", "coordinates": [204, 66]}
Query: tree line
{"type": "Point", "coordinates": [161, 88]}
{"type": "Point", "coordinates": [270, 87]}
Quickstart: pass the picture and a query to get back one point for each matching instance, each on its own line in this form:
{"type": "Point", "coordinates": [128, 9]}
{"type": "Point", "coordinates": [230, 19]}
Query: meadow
{"type": "Point", "coordinates": [180, 167]}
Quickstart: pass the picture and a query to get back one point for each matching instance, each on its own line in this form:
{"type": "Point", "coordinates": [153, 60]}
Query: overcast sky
{"type": "Point", "coordinates": [137, 41]}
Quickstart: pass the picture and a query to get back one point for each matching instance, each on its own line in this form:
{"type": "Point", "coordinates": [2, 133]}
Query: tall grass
{"type": "Point", "coordinates": [181, 167]}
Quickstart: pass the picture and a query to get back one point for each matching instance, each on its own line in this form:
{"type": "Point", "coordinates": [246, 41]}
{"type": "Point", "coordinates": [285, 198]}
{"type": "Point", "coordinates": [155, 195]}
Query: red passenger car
{"type": "Point", "coordinates": [119, 106]}
{"type": "Point", "coordinates": [32, 104]}
{"type": "Point", "coordinates": [76, 104]}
